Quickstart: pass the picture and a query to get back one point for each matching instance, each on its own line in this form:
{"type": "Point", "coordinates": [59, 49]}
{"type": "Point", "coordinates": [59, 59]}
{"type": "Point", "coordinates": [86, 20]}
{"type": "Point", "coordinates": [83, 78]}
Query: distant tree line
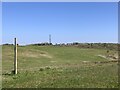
{"type": "Point", "coordinates": [91, 45]}
{"type": "Point", "coordinates": [42, 44]}
{"type": "Point", "coordinates": [80, 45]}
{"type": "Point", "coordinates": [9, 44]}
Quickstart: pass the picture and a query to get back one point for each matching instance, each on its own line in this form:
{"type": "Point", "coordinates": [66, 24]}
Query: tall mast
{"type": "Point", "coordinates": [49, 38]}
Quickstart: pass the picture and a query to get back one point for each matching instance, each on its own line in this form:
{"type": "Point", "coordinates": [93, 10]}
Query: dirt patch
{"type": "Point", "coordinates": [45, 55]}
{"type": "Point", "coordinates": [110, 57]}
{"type": "Point", "coordinates": [102, 56]}
{"type": "Point", "coordinates": [53, 61]}
{"type": "Point", "coordinates": [86, 61]}
{"type": "Point", "coordinates": [35, 54]}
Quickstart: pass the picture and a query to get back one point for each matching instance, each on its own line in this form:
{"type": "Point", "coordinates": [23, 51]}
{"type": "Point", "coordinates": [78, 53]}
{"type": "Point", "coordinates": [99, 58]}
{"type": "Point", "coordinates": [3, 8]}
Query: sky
{"type": "Point", "coordinates": [67, 22]}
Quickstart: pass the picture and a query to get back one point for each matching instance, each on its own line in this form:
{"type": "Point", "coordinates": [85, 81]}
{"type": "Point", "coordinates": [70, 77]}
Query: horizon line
{"type": "Point", "coordinates": [64, 43]}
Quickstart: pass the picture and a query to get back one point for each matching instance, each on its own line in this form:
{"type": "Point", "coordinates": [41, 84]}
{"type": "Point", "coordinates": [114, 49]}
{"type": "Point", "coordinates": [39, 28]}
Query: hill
{"type": "Point", "coordinates": [60, 67]}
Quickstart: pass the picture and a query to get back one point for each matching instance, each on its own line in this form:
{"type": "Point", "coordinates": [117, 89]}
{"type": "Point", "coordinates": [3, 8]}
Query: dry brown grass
{"type": "Point", "coordinates": [29, 53]}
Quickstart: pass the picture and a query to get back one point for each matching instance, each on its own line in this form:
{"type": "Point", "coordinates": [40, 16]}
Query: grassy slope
{"type": "Point", "coordinates": [49, 66]}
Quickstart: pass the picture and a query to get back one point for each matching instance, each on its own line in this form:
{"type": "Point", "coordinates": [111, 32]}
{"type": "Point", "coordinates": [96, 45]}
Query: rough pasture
{"type": "Point", "coordinates": [59, 67]}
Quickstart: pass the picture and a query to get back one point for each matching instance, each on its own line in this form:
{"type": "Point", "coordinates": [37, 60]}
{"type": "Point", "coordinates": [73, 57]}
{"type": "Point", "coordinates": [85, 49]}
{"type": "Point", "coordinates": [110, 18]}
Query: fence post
{"type": "Point", "coordinates": [15, 55]}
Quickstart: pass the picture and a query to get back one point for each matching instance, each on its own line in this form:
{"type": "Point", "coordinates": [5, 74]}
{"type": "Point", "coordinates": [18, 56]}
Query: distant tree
{"type": "Point", "coordinates": [7, 44]}
{"type": "Point", "coordinates": [91, 45]}
{"type": "Point", "coordinates": [104, 44]}
{"type": "Point", "coordinates": [50, 44]}
{"type": "Point", "coordinates": [75, 43]}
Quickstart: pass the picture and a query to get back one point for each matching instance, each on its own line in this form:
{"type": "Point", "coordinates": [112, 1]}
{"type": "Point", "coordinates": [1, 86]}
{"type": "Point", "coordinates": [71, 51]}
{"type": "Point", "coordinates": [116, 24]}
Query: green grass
{"type": "Point", "coordinates": [58, 67]}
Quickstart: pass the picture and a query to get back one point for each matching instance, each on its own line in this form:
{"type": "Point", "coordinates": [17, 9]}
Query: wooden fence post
{"type": "Point", "coordinates": [15, 55]}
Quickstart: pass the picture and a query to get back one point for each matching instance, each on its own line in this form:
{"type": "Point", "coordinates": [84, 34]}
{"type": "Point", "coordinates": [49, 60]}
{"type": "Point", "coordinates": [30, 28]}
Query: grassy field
{"type": "Point", "coordinates": [59, 67]}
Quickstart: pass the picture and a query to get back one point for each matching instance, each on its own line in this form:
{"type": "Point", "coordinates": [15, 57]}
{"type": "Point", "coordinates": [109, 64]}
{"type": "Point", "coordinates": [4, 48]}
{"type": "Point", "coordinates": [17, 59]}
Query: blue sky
{"type": "Point", "coordinates": [66, 22]}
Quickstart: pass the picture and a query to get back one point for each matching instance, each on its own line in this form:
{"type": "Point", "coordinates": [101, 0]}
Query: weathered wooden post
{"type": "Point", "coordinates": [15, 55]}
